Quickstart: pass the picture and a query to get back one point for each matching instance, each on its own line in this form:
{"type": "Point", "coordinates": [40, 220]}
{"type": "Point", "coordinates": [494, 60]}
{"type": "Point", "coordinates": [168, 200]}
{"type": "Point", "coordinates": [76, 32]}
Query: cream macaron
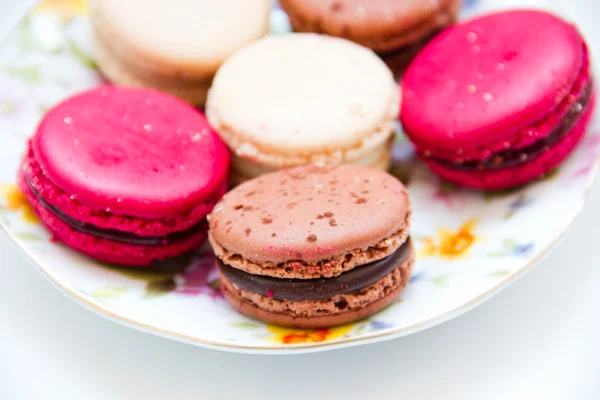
{"type": "Point", "coordinates": [302, 98]}
{"type": "Point", "coordinates": [175, 46]}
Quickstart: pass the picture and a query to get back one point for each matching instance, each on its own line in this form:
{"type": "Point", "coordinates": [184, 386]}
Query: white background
{"type": "Point", "coordinates": [539, 339]}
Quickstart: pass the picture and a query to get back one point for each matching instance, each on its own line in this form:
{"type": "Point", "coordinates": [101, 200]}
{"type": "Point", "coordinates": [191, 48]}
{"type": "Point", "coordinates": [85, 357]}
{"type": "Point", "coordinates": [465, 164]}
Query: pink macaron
{"type": "Point", "coordinates": [500, 100]}
{"type": "Point", "coordinates": [125, 175]}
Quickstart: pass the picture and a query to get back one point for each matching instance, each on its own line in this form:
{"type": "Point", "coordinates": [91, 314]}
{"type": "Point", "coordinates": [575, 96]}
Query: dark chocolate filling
{"type": "Point", "coordinates": [113, 234]}
{"type": "Point", "coordinates": [316, 289]}
{"type": "Point", "coordinates": [513, 158]}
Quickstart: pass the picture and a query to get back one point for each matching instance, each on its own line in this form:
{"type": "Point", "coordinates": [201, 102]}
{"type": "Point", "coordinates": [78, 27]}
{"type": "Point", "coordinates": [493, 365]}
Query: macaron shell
{"type": "Point", "coordinates": [484, 80]}
{"type": "Point", "coordinates": [516, 176]}
{"type": "Point", "coordinates": [132, 152]}
{"type": "Point", "coordinates": [107, 250]}
{"type": "Point", "coordinates": [243, 169]}
{"type": "Point", "coordinates": [317, 95]}
{"type": "Point", "coordinates": [69, 205]}
{"type": "Point", "coordinates": [192, 90]}
{"type": "Point", "coordinates": [374, 298]}
{"type": "Point", "coordinates": [310, 213]}
{"type": "Point", "coordinates": [192, 37]}
{"type": "Point", "coordinates": [378, 24]}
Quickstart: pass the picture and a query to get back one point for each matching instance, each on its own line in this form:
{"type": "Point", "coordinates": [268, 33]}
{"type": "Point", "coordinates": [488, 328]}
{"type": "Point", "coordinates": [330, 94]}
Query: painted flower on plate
{"type": "Point", "coordinates": [293, 336]}
{"type": "Point", "coordinates": [16, 201]}
{"type": "Point", "coordinates": [450, 244]}
{"type": "Point", "coordinates": [67, 9]}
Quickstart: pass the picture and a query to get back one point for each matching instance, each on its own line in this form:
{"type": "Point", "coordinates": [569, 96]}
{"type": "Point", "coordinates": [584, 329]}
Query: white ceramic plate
{"type": "Point", "coordinates": [470, 245]}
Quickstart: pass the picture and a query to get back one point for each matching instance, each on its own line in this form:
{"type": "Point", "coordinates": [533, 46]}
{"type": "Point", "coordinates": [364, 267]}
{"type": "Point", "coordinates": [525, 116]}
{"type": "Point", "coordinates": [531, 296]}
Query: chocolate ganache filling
{"type": "Point", "coordinates": [113, 234]}
{"type": "Point", "coordinates": [316, 289]}
{"type": "Point", "coordinates": [511, 158]}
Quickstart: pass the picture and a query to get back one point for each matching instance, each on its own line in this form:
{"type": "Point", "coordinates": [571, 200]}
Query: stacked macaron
{"type": "Point", "coordinates": [173, 46]}
{"type": "Point", "coordinates": [313, 246]}
{"type": "Point", "coordinates": [500, 100]}
{"type": "Point", "coordinates": [300, 99]}
{"type": "Point", "coordinates": [395, 29]}
{"type": "Point", "coordinates": [125, 175]}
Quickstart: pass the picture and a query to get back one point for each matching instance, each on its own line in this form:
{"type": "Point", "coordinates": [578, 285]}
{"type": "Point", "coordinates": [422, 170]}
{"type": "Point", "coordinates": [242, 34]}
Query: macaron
{"type": "Point", "coordinates": [175, 47]}
{"type": "Point", "coordinates": [313, 246]}
{"type": "Point", "coordinates": [500, 100]}
{"type": "Point", "coordinates": [125, 176]}
{"type": "Point", "coordinates": [298, 99]}
{"type": "Point", "coordinates": [395, 29]}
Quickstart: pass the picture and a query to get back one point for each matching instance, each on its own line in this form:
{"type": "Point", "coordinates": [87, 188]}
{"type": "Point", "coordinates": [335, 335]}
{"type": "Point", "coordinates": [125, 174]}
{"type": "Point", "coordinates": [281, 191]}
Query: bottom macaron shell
{"type": "Point", "coordinates": [319, 314]}
{"type": "Point", "coordinates": [192, 91]}
{"type": "Point", "coordinates": [519, 175]}
{"type": "Point", "coordinates": [108, 250]}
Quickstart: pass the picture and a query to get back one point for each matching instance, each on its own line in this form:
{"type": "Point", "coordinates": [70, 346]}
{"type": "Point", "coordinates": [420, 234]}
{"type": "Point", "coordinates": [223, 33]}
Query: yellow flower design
{"type": "Point", "coordinates": [292, 336]}
{"type": "Point", "coordinates": [67, 9]}
{"type": "Point", "coordinates": [449, 244]}
{"type": "Point", "coordinates": [16, 201]}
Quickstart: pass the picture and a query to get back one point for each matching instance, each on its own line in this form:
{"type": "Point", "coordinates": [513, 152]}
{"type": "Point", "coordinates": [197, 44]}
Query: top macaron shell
{"type": "Point", "coordinates": [195, 36]}
{"type": "Point", "coordinates": [382, 25]}
{"type": "Point", "coordinates": [310, 213]}
{"type": "Point", "coordinates": [515, 68]}
{"type": "Point", "coordinates": [131, 151]}
{"type": "Point", "coordinates": [317, 94]}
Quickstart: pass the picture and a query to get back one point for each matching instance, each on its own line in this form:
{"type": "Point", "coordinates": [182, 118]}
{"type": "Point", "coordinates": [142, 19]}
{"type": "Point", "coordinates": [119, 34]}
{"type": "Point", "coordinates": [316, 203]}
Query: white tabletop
{"type": "Point", "coordinates": [536, 340]}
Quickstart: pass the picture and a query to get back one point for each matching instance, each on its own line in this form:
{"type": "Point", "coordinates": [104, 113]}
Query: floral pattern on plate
{"type": "Point", "coordinates": [470, 244]}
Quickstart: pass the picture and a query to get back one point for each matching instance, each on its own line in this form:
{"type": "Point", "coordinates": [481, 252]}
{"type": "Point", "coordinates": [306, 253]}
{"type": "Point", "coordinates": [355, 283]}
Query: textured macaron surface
{"type": "Point", "coordinates": [377, 24]}
{"type": "Point", "coordinates": [191, 35]}
{"type": "Point", "coordinates": [302, 94]}
{"type": "Point", "coordinates": [133, 152]}
{"type": "Point", "coordinates": [310, 214]}
{"type": "Point", "coordinates": [479, 85]}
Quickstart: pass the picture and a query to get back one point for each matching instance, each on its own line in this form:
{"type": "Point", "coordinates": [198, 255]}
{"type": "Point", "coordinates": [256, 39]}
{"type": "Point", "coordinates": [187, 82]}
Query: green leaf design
{"type": "Point", "coordinates": [139, 274]}
{"type": "Point", "coordinates": [26, 39]}
{"type": "Point", "coordinates": [447, 187]}
{"type": "Point", "coordinates": [497, 254]}
{"type": "Point", "coordinates": [510, 214]}
{"type": "Point", "coordinates": [419, 238]}
{"type": "Point", "coordinates": [27, 236]}
{"type": "Point", "coordinates": [499, 274]}
{"type": "Point", "coordinates": [31, 74]}
{"type": "Point", "coordinates": [550, 175]}
{"type": "Point", "coordinates": [500, 194]}
{"type": "Point", "coordinates": [108, 292]}
{"type": "Point", "coordinates": [42, 108]}
{"type": "Point", "coordinates": [81, 56]}
{"type": "Point", "coordinates": [510, 244]}
{"type": "Point", "coordinates": [7, 107]}
{"type": "Point", "coordinates": [160, 288]}
{"type": "Point", "coordinates": [215, 284]}
{"type": "Point", "coordinates": [361, 329]}
{"type": "Point", "coordinates": [245, 325]}
{"type": "Point", "coordinates": [441, 280]}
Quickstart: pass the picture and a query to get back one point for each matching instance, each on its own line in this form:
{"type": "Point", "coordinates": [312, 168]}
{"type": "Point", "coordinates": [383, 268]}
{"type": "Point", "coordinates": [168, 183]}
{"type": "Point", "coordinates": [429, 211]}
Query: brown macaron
{"type": "Point", "coordinates": [313, 246]}
{"type": "Point", "coordinates": [394, 29]}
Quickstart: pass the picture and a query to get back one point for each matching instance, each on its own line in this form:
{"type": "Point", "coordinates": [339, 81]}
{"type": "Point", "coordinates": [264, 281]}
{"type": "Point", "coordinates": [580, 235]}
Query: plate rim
{"type": "Point", "coordinates": [297, 348]}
